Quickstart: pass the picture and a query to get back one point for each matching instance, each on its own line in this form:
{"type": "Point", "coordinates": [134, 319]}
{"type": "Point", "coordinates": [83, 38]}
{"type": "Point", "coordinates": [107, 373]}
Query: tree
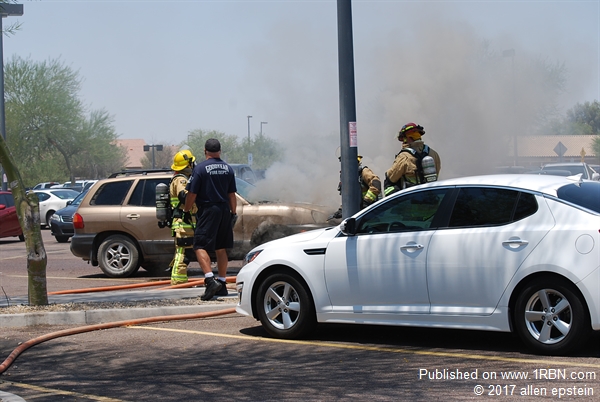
{"type": "Point", "coordinates": [47, 127]}
{"type": "Point", "coordinates": [582, 119]}
{"type": "Point", "coordinates": [596, 147]}
{"type": "Point", "coordinates": [28, 211]}
{"type": "Point", "coordinates": [586, 115]}
{"type": "Point", "coordinates": [265, 151]}
{"type": "Point", "coordinates": [101, 156]}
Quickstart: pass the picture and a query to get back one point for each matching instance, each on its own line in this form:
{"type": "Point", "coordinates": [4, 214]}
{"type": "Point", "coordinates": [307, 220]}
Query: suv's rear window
{"type": "Point", "coordinates": [112, 193]}
{"type": "Point", "coordinates": [585, 194]}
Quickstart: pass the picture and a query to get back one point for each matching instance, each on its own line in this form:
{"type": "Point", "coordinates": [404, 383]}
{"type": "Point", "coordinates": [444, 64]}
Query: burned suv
{"type": "Point", "coordinates": [116, 226]}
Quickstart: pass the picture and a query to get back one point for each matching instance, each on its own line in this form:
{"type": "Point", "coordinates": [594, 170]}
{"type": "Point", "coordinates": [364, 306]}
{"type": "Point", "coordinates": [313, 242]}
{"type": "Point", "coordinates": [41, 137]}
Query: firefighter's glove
{"type": "Point", "coordinates": [234, 218]}
{"type": "Point", "coordinates": [187, 218]}
{"type": "Point", "coordinates": [387, 182]}
{"type": "Point", "coordinates": [181, 196]}
{"type": "Point", "coordinates": [369, 198]}
{"type": "Point", "coordinates": [391, 190]}
{"type": "Point", "coordinates": [336, 215]}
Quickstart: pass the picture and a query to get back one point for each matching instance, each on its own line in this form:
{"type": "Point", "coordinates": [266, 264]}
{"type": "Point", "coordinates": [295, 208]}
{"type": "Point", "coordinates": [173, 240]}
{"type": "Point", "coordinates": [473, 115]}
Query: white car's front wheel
{"type": "Point", "coordinates": [285, 307]}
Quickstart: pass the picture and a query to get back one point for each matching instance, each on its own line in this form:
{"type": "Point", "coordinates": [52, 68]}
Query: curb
{"type": "Point", "coordinates": [88, 317]}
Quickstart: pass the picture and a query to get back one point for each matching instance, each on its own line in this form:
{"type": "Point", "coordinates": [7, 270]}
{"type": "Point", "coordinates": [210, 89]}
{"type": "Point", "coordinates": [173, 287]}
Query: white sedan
{"type": "Point", "coordinates": [53, 199]}
{"type": "Point", "coordinates": [497, 253]}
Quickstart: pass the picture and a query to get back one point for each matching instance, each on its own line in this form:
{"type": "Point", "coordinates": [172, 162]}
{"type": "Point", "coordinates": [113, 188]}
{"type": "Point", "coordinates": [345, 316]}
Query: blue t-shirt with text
{"type": "Point", "coordinates": [212, 181]}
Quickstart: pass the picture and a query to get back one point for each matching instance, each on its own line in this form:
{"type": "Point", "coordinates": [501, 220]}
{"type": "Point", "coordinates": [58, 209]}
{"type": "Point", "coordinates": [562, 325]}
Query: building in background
{"type": "Point", "coordinates": [135, 152]}
{"type": "Point", "coordinates": [536, 151]}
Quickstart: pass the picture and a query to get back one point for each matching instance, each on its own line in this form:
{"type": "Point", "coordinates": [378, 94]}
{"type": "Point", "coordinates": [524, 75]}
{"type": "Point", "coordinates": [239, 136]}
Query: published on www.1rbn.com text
{"type": "Point", "coordinates": [553, 383]}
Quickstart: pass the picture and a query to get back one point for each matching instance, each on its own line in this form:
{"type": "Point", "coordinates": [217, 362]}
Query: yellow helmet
{"type": "Point", "coordinates": [182, 159]}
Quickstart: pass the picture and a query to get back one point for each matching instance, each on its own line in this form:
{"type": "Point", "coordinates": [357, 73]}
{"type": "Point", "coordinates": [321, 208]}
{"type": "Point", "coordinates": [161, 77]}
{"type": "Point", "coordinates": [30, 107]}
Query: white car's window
{"type": "Point", "coordinates": [42, 196]}
{"type": "Point", "coordinates": [586, 194]}
{"type": "Point", "coordinates": [476, 206]}
{"type": "Point", "coordinates": [413, 211]}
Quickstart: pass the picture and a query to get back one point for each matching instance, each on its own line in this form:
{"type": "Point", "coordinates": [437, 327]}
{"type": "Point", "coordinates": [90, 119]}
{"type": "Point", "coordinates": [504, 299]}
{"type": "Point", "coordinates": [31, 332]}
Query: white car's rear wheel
{"type": "Point", "coordinates": [550, 317]}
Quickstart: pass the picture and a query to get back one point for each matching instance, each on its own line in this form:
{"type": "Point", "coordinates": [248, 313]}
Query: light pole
{"type": "Point", "coordinates": [157, 147]}
{"type": "Point", "coordinates": [6, 10]}
{"type": "Point", "coordinates": [249, 117]}
{"type": "Point", "coordinates": [261, 124]}
{"type": "Point", "coordinates": [511, 53]}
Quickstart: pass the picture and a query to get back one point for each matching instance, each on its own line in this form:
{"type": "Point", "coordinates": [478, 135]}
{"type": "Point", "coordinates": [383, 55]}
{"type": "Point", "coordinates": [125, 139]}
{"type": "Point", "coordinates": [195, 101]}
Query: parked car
{"type": "Point", "coordinates": [51, 200]}
{"type": "Point", "coordinates": [244, 172]}
{"type": "Point", "coordinates": [496, 253]}
{"type": "Point", "coordinates": [116, 226]}
{"type": "Point", "coordinates": [9, 220]}
{"type": "Point", "coordinates": [574, 167]}
{"type": "Point", "coordinates": [61, 222]}
{"type": "Point", "coordinates": [45, 185]}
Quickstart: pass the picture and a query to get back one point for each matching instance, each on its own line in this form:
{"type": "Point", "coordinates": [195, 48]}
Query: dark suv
{"type": "Point", "coordinates": [116, 226]}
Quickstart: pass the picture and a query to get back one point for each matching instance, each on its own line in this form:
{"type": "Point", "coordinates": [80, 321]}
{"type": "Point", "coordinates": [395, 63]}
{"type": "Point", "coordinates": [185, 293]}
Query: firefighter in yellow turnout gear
{"type": "Point", "coordinates": [407, 169]}
{"type": "Point", "coordinates": [370, 188]}
{"type": "Point", "coordinates": [183, 225]}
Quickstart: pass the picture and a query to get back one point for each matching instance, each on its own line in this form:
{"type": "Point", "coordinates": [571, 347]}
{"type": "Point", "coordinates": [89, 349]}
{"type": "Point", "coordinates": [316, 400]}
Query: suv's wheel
{"type": "Point", "coordinates": [118, 257]}
{"type": "Point", "coordinates": [550, 317]}
{"type": "Point", "coordinates": [284, 307]}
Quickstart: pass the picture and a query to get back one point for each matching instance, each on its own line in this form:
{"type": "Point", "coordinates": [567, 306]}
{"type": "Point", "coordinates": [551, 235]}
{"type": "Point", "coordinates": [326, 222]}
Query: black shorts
{"type": "Point", "coordinates": [213, 228]}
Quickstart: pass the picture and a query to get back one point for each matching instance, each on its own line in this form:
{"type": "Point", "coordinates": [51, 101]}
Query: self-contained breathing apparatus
{"type": "Point", "coordinates": [426, 171]}
{"type": "Point", "coordinates": [165, 212]}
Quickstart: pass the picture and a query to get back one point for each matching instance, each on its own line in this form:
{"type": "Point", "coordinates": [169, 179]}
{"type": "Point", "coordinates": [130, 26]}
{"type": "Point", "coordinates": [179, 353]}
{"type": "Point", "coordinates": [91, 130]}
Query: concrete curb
{"type": "Point", "coordinates": [88, 317]}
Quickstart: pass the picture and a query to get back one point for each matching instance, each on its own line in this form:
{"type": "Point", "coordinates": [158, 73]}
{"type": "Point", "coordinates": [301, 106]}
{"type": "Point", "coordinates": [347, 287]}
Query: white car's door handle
{"type": "Point", "coordinates": [412, 247]}
{"type": "Point", "coordinates": [133, 216]}
{"type": "Point", "coordinates": [515, 242]}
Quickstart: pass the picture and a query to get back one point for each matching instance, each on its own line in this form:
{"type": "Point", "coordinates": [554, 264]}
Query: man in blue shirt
{"type": "Point", "coordinates": [212, 187]}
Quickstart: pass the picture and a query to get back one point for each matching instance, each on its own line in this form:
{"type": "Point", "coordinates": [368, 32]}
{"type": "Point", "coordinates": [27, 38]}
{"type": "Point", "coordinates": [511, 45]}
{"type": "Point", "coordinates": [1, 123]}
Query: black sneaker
{"type": "Point", "coordinates": [211, 286]}
{"type": "Point", "coordinates": [223, 290]}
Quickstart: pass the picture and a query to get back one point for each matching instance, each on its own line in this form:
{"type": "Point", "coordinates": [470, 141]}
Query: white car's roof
{"type": "Point", "coordinates": [544, 184]}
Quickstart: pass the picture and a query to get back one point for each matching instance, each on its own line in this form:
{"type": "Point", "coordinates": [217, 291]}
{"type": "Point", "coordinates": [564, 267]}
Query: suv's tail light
{"type": "Point", "coordinates": [77, 221]}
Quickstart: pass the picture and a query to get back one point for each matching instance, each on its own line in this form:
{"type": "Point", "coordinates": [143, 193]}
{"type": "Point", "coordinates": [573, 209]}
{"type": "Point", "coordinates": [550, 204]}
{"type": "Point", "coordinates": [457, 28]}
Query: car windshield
{"type": "Point", "coordinates": [78, 199]}
{"type": "Point", "coordinates": [65, 194]}
{"type": "Point", "coordinates": [245, 189]}
{"type": "Point", "coordinates": [585, 194]}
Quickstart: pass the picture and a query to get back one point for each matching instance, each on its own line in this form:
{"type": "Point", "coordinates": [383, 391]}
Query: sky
{"type": "Point", "coordinates": [164, 68]}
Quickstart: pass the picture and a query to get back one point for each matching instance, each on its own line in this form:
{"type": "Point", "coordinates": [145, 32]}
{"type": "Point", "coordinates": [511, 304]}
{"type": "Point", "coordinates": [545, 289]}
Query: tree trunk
{"type": "Point", "coordinates": [28, 210]}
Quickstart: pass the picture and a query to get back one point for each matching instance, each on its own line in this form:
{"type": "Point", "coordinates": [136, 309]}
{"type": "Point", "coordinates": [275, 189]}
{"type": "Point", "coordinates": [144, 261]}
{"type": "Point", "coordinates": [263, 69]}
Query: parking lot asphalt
{"type": "Point", "coordinates": [124, 300]}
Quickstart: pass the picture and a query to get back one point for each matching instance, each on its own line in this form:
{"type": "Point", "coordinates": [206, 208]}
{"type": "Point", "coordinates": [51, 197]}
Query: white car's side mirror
{"type": "Point", "coordinates": [348, 227]}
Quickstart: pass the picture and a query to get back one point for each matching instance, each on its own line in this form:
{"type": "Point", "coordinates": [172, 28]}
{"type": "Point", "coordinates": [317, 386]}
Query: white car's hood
{"type": "Point", "coordinates": [318, 235]}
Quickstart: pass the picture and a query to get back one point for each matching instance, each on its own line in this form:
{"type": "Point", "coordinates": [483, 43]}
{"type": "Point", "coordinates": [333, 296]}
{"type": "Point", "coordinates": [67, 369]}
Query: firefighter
{"type": "Point", "coordinates": [370, 187]}
{"type": "Point", "coordinates": [407, 169]}
{"type": "Point", "coordinates": [182, 227]}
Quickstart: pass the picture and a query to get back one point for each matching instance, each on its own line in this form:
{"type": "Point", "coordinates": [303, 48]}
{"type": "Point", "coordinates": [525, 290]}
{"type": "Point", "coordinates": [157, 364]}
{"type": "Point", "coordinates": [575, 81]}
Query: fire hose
{"type": "Point", "coordinates": [89, 328]}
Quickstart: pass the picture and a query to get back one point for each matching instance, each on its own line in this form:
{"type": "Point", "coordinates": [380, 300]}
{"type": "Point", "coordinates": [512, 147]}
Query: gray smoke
{"type": "Point", "coordinates": [447, 77]}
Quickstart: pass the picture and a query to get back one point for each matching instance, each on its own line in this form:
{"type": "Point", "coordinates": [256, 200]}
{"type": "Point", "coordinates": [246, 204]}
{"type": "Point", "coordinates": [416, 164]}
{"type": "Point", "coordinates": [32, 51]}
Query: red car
{"type": "Point", "coordinates": [9, 221]}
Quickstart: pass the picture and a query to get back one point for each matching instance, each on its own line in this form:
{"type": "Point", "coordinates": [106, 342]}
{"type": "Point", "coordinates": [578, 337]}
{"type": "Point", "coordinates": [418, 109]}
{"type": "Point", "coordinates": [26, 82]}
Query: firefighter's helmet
{"type": "Point", "coordinates": [410, 130]}
{"type": "Point", "coordinates": [182, 159]}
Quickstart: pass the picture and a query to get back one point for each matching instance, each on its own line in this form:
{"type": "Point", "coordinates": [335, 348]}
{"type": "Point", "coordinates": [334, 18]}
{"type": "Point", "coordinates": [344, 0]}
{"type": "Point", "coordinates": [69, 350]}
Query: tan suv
{"type": "Point", "coordinates": [116, 226]}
